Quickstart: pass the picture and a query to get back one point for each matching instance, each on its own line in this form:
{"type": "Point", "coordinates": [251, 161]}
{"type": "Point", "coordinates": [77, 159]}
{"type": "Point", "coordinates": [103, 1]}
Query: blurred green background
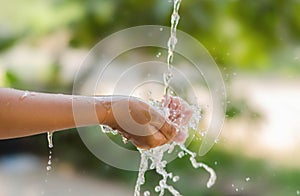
{"type": "Point", "coordinates": [256, 45]}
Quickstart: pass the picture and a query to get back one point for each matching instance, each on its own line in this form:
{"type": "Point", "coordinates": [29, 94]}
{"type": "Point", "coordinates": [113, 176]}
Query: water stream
{"type": "Point", "coordinates": [156, 155]}
{"type": "Point", "coordinates": [171, 45]}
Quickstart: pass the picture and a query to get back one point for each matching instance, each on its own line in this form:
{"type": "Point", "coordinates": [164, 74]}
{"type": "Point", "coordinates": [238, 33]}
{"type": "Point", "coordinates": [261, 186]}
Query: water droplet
{"type": "Point", "coordinates": [216, 163]}
{"type": "Point", "coordinates": [180, 154]}
{"type": "Point", "coordinates": [232, 185]}
{"type": "Point", "coordinates": [248, 179]}
{"type": "Point", "coordinates": [298, 192]}
{"type": "Point", "coordinates": [167, 77]}
{"type": "Point", "coordinates": [48, 168]}
{"type": "Point", "coordinates": [234, 73]}
{"type": "Point", "coordinates": [236, 190]}
{"type": "Point", "coordinates": [49, 162]}
{"type": "Point", "coordinates": [161, 29]}
{"type": "Point", "coordinates": [157, 189]}
{"type": "Point", "coordinates": [147, 193]}
{"type": "Point", "coordinates": [124, 140]}
{"type": "Point", "coordinates": [26, 93]}
{"type": "Point", "coordinates": [158, 55]}
{"type": "Point", "coordinates": [216, 140]}
{"type": "Point", "coordinates": [175, 178]}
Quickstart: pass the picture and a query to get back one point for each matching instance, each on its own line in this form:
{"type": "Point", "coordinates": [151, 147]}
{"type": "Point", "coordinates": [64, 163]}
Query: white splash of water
{"type": "Point", "coordinates": [196, 165]}
{"type": "Point", "coordinates": [107, 129]}
{"type": "Point", "coordinates": [155, 156]}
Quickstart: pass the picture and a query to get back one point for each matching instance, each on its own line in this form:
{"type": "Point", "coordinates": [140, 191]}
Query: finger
{"type": "Point", "coordinates": [168, 130]}
{"type": "Point", "coordinates": [156, 138]}
{"type": "Point", "coordinates": [180, 137]}
{"type": "Point", "coordinates": [147, 142]}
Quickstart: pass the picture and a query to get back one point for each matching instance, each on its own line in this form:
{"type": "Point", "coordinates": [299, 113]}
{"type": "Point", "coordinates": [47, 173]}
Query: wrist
{"type": "Point", "coordinates": [104, 110]}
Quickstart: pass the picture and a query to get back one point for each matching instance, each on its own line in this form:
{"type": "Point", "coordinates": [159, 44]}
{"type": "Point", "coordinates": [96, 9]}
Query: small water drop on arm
{"type": "Point", "coordinates": [26, 93]}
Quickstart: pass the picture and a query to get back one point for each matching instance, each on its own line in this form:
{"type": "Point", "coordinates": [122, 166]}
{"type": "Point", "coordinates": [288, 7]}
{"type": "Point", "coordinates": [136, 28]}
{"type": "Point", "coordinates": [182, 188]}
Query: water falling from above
{"type": "Point", "coordinates": [169, 108]}
{"type": "Point", "coordinates": [171, 45]}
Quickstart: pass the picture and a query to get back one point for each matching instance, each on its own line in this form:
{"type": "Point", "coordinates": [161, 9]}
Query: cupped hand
{"type": "Point", "coordinates": [139, 122]}
{"type": "Point", "coordinates": [180, 115]}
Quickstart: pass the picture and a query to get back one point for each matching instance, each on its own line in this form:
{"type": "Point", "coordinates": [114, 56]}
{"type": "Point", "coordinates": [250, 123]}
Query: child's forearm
{"type": "Point", "coordinates": [25, 113]}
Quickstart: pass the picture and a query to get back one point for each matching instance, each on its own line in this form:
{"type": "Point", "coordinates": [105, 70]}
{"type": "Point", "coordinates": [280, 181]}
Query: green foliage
{"type": "Point", "coordinates": [242, 34]}
{"type": "Point", "coordinates": [12, 80]}
{"type": "Point", "coordinates": [240, 108]}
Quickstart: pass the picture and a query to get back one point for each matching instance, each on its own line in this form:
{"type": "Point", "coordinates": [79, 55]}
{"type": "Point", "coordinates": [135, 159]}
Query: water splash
{"type": "Point", "coordinates": [195, 164]}
{"type": "Point", "coordinates": [107, 129]}
{"type": "Point", "coordinates": [155, 156]}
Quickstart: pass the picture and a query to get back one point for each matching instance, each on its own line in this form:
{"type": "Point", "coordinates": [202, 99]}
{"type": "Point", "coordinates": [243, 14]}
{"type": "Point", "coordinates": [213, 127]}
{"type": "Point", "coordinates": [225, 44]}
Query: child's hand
{"type": "Point", "coordinates": [139, 122]}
